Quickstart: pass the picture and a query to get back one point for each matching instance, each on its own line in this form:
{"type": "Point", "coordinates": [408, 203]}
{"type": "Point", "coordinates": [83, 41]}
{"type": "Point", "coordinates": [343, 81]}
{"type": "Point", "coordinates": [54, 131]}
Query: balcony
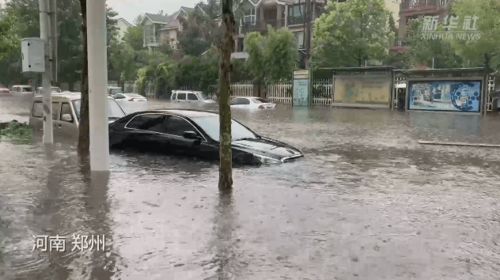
{"type": "Point", "coordinates": [424, 6]}
{"type": "Point", "coordinates": [261, 25]}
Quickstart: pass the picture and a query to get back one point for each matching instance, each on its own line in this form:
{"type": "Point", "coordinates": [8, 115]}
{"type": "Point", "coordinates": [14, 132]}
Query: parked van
{"type": "Point", "coordinates": [21, 90]}
{"type": "Point", "coordinates": [66, 113]}
{"type": "Point", "coordinates": [189, 96]}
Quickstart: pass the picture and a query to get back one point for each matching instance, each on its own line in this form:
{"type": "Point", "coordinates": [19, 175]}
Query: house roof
{"type": "Point", "coordinates": [125, 21]}
{"type": "Point", "coordinates": [156, 18]}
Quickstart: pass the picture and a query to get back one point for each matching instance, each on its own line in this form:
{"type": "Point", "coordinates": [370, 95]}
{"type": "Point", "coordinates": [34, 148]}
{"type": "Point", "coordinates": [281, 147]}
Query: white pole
{"type": "Point", "coordinates": [98, 78]}
{"type": "Point", "coordinates": [48, 133]}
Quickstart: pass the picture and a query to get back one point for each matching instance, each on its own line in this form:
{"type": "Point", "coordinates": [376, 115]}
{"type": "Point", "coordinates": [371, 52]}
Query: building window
{"type": "Point", "coordinates": [251, 17]}
{"type": "Point", "coordinates": [299, 38]}
{"type": "Point", "coordinates": [296, 14]}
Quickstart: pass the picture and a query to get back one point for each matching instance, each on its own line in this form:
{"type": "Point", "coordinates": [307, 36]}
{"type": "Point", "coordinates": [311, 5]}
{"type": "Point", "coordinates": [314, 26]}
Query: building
{"type": "Point", "coordinates": [122, 26]}
{"type": "Point", "coordinates": [415, 9]}
{"type": "Point", "coordinates": [162, 29]}
{"type": "Point", "coordinates": [259, 14]}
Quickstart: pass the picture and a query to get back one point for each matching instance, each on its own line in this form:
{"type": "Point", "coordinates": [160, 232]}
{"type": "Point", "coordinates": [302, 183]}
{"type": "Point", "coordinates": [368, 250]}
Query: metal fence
{"type": "Point", "coordinates": [280, 92]}
{"type": "Point", "coordinates": [244, 89]}
{"type": "Point", "coordinates": [322, 91]}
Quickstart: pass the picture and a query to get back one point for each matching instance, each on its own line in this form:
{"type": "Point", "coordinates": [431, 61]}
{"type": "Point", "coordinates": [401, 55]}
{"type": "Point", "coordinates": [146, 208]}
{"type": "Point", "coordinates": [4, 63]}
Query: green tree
{"type": "Point", "coordinates": [200, 29]}
{"type": "Point", "coordinates": [272, 57]}
{"type": "Point", "coordinates": [9, 49]}
{"type": "Point", "coordinates": [350, 32]}
{"type": "Point", "coordinates": [133, 37]}
{"type": "Point", "coordinates": [486, 50]}
{"type": "Point", "coordinates": [424, 52]}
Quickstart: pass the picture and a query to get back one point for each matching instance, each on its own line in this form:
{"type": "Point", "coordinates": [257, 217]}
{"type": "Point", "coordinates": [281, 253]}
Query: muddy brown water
{"type": "Point", "coordinates": [366, 202]}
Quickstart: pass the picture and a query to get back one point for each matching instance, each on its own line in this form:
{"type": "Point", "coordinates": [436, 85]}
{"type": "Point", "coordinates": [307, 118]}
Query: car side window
{"type": "Point", "coordinates": [177, 126]}
{"type": "Point", "coordinates": [181, 96]}
{"type": "Point", "coordinates": [192, 96]}
{"type": "Point", "coordinates": [37, 110]}
{"type": "Point", "coordinates": [66, 109]}
{"type": "Point", "coordinates": [240, 101]}
{"type": "Point", "coordinates": [153, 122]}
{"type": "Point", "coordinates": [56, 109]}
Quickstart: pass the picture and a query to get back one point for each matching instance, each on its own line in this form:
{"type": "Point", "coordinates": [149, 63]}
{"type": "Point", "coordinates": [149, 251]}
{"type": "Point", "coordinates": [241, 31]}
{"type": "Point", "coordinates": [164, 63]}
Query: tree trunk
{"type": "Point", "coordinates": [227, 47]}
{"type": "Point", "coordinates": [83, 138]}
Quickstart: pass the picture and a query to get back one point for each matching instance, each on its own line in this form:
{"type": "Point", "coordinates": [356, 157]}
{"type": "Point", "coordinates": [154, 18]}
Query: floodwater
{"type": "Point", "coordinates": [366, 202]}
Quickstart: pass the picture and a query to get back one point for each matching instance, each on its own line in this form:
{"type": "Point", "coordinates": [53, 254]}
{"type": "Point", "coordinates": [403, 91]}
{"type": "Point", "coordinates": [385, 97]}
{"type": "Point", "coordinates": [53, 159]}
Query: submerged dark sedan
{"type": "Point", "coordinates": [195, 133]}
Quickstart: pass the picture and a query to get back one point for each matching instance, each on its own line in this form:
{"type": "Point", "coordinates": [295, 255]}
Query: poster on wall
{"type": "Point", "coordinates": [458, 96]}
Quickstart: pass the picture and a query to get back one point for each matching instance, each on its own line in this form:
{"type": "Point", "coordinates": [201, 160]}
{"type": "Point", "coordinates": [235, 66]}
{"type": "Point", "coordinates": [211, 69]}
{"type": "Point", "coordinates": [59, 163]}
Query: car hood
{"type": "Point", "coordinates": [269, 148]}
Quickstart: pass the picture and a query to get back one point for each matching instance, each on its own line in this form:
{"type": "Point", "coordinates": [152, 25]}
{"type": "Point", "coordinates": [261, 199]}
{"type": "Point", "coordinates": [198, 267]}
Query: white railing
{"type": "Point", "coordinates": [280, 92]}
{"type": "Point", "coordinates": [245, 89]}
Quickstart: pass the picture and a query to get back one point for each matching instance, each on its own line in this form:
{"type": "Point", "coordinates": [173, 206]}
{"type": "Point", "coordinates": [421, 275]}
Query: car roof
{"type": "Point", "coordinates": [186, 91]}
{"type": "Point", "coordinates": [65, 95]}
{"type": "Point", "coordinates": [24, 86]}
{"type": "Point", "coordinates": [185, 113]}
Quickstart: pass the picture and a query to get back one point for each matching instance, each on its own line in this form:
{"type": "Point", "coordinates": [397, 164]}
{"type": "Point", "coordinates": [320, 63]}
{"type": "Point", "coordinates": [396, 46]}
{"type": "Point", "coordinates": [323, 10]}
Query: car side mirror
{"type": "Point", "coordinates": [191, 135]}
{"type": "Point", "coordinates": [67, 118]}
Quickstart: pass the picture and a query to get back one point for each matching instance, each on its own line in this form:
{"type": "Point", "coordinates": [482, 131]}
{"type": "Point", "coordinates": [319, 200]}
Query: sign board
{"type": "Point", "coordinates": [443, 95]}
{"type": "Point", "coordinates": [301, 88]}
{"type": "Point", "coordinates": [370, 89]}
{"type": "Point", "coordinates": [33, 55]}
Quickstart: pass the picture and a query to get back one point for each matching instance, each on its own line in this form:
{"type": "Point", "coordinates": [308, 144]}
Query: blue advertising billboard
{"type": "Point", "coordinates": [457, 96]}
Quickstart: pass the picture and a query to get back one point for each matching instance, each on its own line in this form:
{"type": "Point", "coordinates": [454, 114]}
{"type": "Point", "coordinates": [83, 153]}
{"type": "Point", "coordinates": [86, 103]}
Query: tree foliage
{"type": "Point", "coordinates": [273, 56]}
{"type": "Point", "coordinates": [422, 51]}
{"type": "Point", "coordinates": [486, 50]}
{"type": "Point", "coordinates": [350, 32]}
{"type": "Point", "coordinates": [200, 29]}
{"type": "Point", "coordinates": [21, 20]}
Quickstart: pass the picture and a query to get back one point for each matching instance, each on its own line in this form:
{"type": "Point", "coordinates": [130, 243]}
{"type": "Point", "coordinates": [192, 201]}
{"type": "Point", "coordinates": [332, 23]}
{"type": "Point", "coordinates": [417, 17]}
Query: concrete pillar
{"type": "Point", "coordinates": [48, 129]}
{"type": "Point", "coordinates": [279, 16]}
{"type": "Point", "coordinates": [98, 79]}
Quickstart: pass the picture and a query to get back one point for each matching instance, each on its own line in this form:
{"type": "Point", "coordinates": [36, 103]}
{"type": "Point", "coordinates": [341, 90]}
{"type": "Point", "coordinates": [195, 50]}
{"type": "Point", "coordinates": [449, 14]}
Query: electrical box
{"type": "Point", "coordinates": [33, 54]}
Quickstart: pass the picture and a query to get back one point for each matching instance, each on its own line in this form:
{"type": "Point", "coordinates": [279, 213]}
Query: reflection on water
{"type": "Point", "coordinates": [367, 202]}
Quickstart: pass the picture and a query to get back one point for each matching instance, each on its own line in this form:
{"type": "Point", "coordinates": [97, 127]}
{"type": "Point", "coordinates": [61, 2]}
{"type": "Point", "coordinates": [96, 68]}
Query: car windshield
{"type": "Point", "coordinates": [114, 110]}
{"type": "Point", "coordinates": [210, 125]}
{"type": "Point", "coordinates": [260, 100]}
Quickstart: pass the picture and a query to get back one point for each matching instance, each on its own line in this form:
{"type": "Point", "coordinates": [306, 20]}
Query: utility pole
{"type": "Point", "coordinates": [53, 40]}
{"type": "Point", "coordinates": [48, 135]}
{"type": "Point", "coordinates": [307, 32]}
{"type": "Point", "coordinates": [98, 79]}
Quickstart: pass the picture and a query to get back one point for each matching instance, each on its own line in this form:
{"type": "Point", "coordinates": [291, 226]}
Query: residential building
{"type": "Point", "coordinates": [162, 29]}
{"type": "Point", "coordinates": [415, 9]}
{"type": "Point", "coordinates": [259, 14]}
{"type": "Point", "coordinates": [122, 26]}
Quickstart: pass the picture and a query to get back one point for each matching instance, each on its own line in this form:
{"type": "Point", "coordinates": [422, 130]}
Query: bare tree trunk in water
{"type": "Point", "coordinates": [83, 138]}
{"type": "Point", "coordinates": [227, 47]}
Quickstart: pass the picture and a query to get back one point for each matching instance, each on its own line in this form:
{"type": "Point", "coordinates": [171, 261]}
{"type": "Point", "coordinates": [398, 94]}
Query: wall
{"type": "Point", "coordinates": [370, 89]}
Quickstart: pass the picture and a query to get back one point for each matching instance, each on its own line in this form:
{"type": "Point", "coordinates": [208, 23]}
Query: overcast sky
{"type": "Point", "coordinates": [130, 9]}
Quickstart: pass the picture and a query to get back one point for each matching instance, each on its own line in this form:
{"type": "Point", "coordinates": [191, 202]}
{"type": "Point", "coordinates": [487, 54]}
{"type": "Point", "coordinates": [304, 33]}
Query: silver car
{"type": "Point", "coordinates": [66, 113]}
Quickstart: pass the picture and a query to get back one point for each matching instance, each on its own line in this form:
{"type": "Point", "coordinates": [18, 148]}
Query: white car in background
{"type": "Point", "coordinates": [244, 102]}
{"type": "Point", "coordinates": [190, 96]}
{"type": "Point", "coordinates": [131, 102]}
{"type": "Point", "coordinates": [21, 90]}
{"type": "Point", "coordinates": [53, 90]}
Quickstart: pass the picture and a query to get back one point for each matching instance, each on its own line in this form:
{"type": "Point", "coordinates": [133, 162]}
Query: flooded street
{"type": "Point", "coordinates": [366, 202]}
